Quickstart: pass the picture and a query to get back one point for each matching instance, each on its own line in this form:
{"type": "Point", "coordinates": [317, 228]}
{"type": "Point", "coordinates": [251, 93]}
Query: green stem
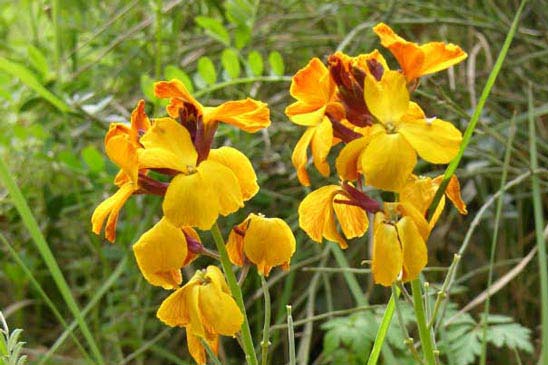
{"type": "Point", "coordinates": [383, 329]}
{"type": "Point", "coordinates": [265, 343]}
{"type": "Point", "coordinates": [539, 226]}
{"type": "Point", "coordinates": [424, 333]}
{"type": "Point", "coordinates": [251, 357]}
{"type": "Point", "coordinates": [291, 336]}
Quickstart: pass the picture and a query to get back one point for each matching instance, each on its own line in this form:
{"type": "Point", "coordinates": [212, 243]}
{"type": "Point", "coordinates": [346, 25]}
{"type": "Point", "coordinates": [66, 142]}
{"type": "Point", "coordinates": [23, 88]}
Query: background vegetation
{"type": "Point", "coordinates": [69, 67]}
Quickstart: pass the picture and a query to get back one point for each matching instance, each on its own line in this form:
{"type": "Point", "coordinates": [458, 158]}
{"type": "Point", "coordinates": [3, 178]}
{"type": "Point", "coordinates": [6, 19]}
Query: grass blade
{"type": "Point", "coordinates": [539, 226]}
{"type": "Point", "coordinates": [32, 226]}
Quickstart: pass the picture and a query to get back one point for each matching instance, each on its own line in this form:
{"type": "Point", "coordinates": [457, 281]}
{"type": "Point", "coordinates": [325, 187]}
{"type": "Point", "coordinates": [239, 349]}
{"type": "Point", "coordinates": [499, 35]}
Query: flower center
{"type": "Point", "coordinates": [390, 128]}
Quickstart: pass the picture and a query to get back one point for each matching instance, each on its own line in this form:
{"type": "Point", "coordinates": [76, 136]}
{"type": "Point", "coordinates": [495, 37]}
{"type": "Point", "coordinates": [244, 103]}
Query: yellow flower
{"type": "Point", "coordinates": [162, 251]}
{"type": "Point", "coordinates": [318, 210]}
{"type": "Point", "coordinates": [387, 155]}
{"type": "Point", "coordinates": [418, 60]}
{"type": "Point", "coordinates": [266, 242]}
{"type": "Point", "coordinates": [315, 92]}
{"type": "Point", "coordinates": [420, 191]}
{"type": "Point", "coordinates": [399, 243]}
{"type": "Point", "coordinates": [205, 307]}
{"type": "Point", "coordinates": [121, 146]}
{"type": "Point", "coordinates": [199, 191]}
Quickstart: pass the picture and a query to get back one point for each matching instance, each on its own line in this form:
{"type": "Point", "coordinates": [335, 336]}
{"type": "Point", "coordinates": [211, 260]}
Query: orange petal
{"type": "Point", "coordinates": [235, 243]}
{"type": "Point", "coordinates": [224, 185]}
{"type": "Point", "coordinates": [139, 119]}
{"type": "Point", "coordinates": [240, 166]}
{"type": "Point", "coordinates": [321, 145]}
{"type": "Point", "coordinates": [312, 84]}
{"type": "Point", "coordinates": [453, 193]}
{"type": "Point", "coordinates": [249, 115]}
{"type": "Point", "coordinates": [121, 150]}
{"type": "Point", "coordinates": [439, 56]}
{"type": "Point", "coordinates": [110, 208]}
{"type": "Point", "coordinates": [174, 310]}
{"type": "Point", "coordinates": [300, 156]}
{"type": "Point", "coordinates": [176, 91]}
{"type": "Point", "coordinates": [353, 220]}
{"type": "Point", "coordinates": [415, 255]}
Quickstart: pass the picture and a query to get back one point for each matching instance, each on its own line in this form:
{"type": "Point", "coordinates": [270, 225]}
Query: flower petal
{"type": "Point", "coordinates": [235, 243]}
{"type": "Point", "coordinates": [121, 150]}
{"type": "Point", "coordinates": [268, 242]}
{"type": "Point", "coordinates": [439, 56]}
{"type": "Point", "coordinates": [308, 115]}
{"type": "Point", "coordinates": [110, 208]}
{"type": "Point", "coordinates": [347, 161]}
{"type": "Point", "coordinates": [387, 253]}
{"type": "Point", "coordinates": [249, 115]}
{"type": "Point", "coordinates": [353, 220]}
{"type": "Point", "coordinates": [188, 202]}
{"type": "Point", "coordinates": [197, 350]}
{"type": "Point", "coordinates": [436, 141]}
{"type": "Point", "coordinates": [219, 312]}
{"type": "Point", "coordinates": [224, 185]}
{"type": "Point", "coordinates": [176, 91]}
{"type": "Point", "coordinates": [139, 119]}
{"type": "Point", "coordinates": [387, 161]}
{"type": "Point", "coordinates": [453, 193]}
{"type": "Point", "coordinates": [312, 84]}
{"type": "Point", "coordinates": [161, 253]}
{"type": "Point", "coordinates": [174, 310]}
{"type": "Point", "coordinates": [321, 145]}
{"type": "Point", "coordinates": [415, 254]}
{"type": "Point", "coordinates": [167, 145]}
{"type": "Point", "coordinates": [240, 166]}
{"type": "Point", "coordinates": [388, 99]}
{"type": "Point", "coordinates": [300, 156]}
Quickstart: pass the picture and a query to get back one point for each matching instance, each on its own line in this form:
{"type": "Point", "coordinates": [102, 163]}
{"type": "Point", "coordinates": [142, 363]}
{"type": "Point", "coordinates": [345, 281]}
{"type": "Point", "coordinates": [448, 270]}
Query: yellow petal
{"type": "Point", "coordinates": [188, 202]}
{"type": "Point", "coordinates": [317, 218]}
{"type": "Point", "coordinates": [197, 350]}
{"type": "Point", "coordinates": [216, 276]}
{"type": "Point", "coordinates": [268, 242]}
{"type": "Point", "coordinates": [418, 218]}
{"type": "Point", "coordinates": [347, 161]}
{"type": "Point", "coordinates": [224, 185]}
{"type": "Point", "coordinates": [387, 253]}
{"type": "Point", "coordinates": [388, 99]}
{"type": "Point", "coordinates": [121, 150]}
{"type": "Point", "coordinates": [436, 141]}
{"type": "Point", "coordinates": [249, 115]}
{"type": "Point", "coordinates": [353, 220]}
{"type": "Point", "coordinates": [240, 166]}
{"type": "Point", "coordinates": [176, 91]}
{"type": "Point", "coordinates": [312, 84]}
{"type": "Point", "coordinates": [161, 253]}
{"type": "Point", "coordinates": [415, 255]}
{"type": "Point", "coordinates": [300, 156]}
{"type": "Point", "coordinates": [174, 310]}
{"type": "Point", "coordinates": [235, 244]}
{"type": "Point", "coordinates": [139, 119]}
{"type": "Point", "coordinates": [219, 312]}
{"type": "Point", "coordinates": [110, 208]}
{"type": "Point", "coordinates": [167, 145]}
{"type": "Point", "coordinates": [321, 145]}
{"type": "Point", "coordinates": [308, 115]}
{"type": "Point", "coordinates": [387, 161]}
{"type": "Point", "coordinates": [439, 56]}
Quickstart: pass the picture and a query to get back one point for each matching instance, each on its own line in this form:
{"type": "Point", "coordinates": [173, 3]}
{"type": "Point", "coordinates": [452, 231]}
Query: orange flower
{"type": "Point", "coordinates": [399, 243]}
{"type": "Point", "coordinates": [121, 146]}
{"type": "Point", "coordinates": [315, 92]}
{"type": "Point", "coordinates": [266, 242]}
{"type": "Point", "coordinates": [418, 60]}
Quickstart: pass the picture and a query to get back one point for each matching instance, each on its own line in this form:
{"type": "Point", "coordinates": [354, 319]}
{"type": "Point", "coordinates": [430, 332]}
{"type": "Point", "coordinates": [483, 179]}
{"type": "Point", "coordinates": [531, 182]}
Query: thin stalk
{"type": "Point", "coordinates": [247, 340]}
{"type": "Point", "coordinates": [424, 332]}
{"type": "Point", "coordinates": [498, 213]}
{"type": "Point", "coordinates": [539, 226]}
{"type": "Point", "coordinates": [265, 343]}
{"type": "Point", "coordinates": [442, 293]}
{"type": "Point", "coordinates": [30, 223]}
{"type": "Point", "coordinates": [383, 329]}
{"type": "Point", "coordinates": [210, 352]}
{"type": "Point", "coordinates": [408, 340]}
{"type": "Point", "coordinates": [291, 336]}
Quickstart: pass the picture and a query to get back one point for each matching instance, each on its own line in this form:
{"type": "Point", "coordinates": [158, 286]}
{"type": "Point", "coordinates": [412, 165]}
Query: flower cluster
{"type": "Point", "coordinates": [360, 102]}
{"type": "Point", "coordinates": [172, 157]}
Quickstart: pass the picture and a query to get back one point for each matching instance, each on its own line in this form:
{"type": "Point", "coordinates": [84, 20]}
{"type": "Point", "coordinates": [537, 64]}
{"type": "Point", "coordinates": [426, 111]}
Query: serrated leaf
{"type": "Point", "coordinates": [93, 159]}
{"type": "Point", "coordinates": [173, 72]}
{"type": "Point", "coordinates": [231, 63]}
{"type": "Point", "coordinates": [255, 63]}
{"type": "Point", "coordinates": [214, 28]}
{"type": "Point", "coordinates": [147, 87]}
{"type": "Point", "coordinates": [276, 63]}
{"type": "Point", "coordinates": [206, 70]}
{"type": "Point", "coordinates": [511, 335]}
{"type": "Point", "coordinates": [38, 61]}
{"type": "Point", "coordinates": [465, 348]}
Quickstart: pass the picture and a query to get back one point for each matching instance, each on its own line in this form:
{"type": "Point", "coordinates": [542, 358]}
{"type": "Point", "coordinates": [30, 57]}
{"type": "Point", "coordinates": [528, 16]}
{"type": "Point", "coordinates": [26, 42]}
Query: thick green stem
{"type": "Point", "coordinates": [265, 343]}
{"type": "Point", "coordinates": [383, 329]}
{"type": "Point", "coordinates": [424, 332]}
{"type": "Point", "coordinates": [247, 340]}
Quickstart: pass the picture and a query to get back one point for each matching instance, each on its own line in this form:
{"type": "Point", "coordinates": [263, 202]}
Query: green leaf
{"type": "Point", "coordinates": [173, 72]}
{"type": "Point", "coordinates": [276, 63]}
{"type": "Point", "coordinates": [29, 79]}
{"type": "Point", "coordinates": [70, 160]}
{"type": "Point", "coordinates": [38, 61]}
{"type": "Point", "coordinates": [255, 63]}
{"type": "Point", "coordinates": [147, 87]}
{"type": "Point", "coordinates": [93, 159]}
{"type": "Point", "coordinates": [231, 63]}
{"type": "Point", "coordinates": [206, 70]}
{"type": "Point", "coordinates": [503, 331]}
{"type": "Point", "coordinates": [241, 12]}
{"type": "Point", "coordinates": [214, 28]}
{"type": "Point", "coordinates": [242, 36]}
